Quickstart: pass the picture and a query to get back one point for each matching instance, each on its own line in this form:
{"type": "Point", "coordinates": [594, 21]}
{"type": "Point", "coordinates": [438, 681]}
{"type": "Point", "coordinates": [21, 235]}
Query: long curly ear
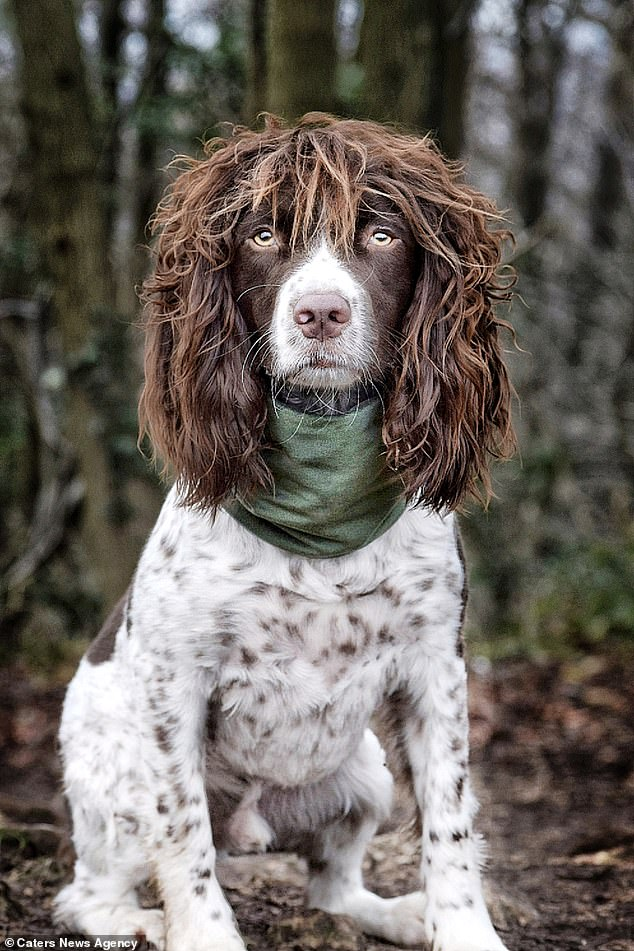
{"type": "Point", "coordinates": [450, 406]}
{"type": "Point", "coordinates": [202, 408]}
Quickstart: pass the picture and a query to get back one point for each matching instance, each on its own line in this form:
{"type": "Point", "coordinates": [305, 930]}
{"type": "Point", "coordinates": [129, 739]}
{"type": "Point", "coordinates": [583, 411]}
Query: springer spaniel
{"type": "Point", "coordinates": [324, 377]}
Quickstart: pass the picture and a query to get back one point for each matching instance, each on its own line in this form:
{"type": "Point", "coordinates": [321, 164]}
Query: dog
{"type": "Point", "coordinates": [324, 378]}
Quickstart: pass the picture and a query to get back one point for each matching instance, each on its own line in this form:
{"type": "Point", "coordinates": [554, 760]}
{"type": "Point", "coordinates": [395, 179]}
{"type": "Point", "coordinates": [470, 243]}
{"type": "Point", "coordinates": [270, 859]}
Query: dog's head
{"type": "Point", "coordinates": [324, 255]}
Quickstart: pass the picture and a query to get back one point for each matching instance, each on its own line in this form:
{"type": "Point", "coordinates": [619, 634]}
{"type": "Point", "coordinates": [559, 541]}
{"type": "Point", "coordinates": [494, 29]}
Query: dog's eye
{"type": "Point", "coordinates": [381, 238]}
{"type": "Point", "coordinates": [264, 238]}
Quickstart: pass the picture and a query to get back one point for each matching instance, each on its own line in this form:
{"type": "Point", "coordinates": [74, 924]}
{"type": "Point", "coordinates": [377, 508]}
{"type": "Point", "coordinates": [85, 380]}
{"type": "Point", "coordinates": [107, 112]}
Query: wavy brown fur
{"type": "Point", "coordinates": [448, 394]}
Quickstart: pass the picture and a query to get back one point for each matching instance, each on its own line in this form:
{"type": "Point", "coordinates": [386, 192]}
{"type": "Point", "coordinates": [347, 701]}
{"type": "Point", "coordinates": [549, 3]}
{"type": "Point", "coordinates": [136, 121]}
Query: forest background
{"type": "Point", "coordinates": [97, 96]}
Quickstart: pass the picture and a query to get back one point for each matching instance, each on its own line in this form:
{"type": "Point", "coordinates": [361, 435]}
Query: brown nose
{"type": "Point", "coordinates": [321, 316]}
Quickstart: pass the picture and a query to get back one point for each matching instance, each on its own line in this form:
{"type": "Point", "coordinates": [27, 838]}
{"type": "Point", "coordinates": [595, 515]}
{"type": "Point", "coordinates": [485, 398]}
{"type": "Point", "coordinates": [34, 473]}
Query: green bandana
{"type": "Point", "coordinates": [332, 491]}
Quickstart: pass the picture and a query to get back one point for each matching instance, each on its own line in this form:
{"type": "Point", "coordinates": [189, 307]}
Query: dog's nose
{"type": "Point", "coordinates": [321, 316]}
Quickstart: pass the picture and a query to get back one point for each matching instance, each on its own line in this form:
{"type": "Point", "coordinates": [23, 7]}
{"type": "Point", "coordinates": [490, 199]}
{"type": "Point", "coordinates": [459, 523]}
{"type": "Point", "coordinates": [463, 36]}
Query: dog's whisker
{"type": "Point", "coordinates": [255, 287]}
{"type": "Point", "coordinates": [260, 345]}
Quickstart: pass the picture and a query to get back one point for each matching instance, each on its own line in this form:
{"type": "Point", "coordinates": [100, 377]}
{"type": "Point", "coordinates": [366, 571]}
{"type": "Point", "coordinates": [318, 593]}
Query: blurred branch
{"type": "Point", "coordinates": [58, 492]}
{"type": "Point", "coordinates": [18, 307]}
{"type": "Point", "coordinates": [530, 238]}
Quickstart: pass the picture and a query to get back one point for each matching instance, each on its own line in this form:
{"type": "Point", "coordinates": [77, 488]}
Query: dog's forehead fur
{"type": "Point", "coordinates": [321, 175]}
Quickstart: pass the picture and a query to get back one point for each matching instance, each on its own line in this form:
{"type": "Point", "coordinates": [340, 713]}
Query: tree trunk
{"type": "Point", "coordinates": [414, 55]}
{"type": "Point", "coordinates": [112, 33]}
{"type": "Point", "coordinates": [613, 225]}
{"type": "Point", "coordinates": [540, 61]}
{"type": "Point", "coordinates": [302, 57]}
{"type": "Point", "coordinates": [395, 52]}
{"type": "Point", "coordinates": [153, 94]}
{"type": "Point", "coordinates": [68, 225]}
{"type": "Point", "coordinates": [452, 19]}
{"type": "Point", "coordinates": [256, 98]}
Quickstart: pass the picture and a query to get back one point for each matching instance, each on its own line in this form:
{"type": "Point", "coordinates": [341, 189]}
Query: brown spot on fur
{"type": "Point", "coordinates": [348, 647]}
{"type": "Point", "coordinates": [259, 588]}
{"type": "Point", "coordinates": [163, 739]}
{"type": "Point", "coordinates": [288, 597]}
{"type": "Point", "coordinates": [388, 592]}
{"type": "Point", "coordinates": [181, 798]}
{"type": "Point", "coordinates": [418, 620]}
{"type": "Point", "coordinates": [293, 631]}
{"type": "Point", "coordinates": [248, 657]}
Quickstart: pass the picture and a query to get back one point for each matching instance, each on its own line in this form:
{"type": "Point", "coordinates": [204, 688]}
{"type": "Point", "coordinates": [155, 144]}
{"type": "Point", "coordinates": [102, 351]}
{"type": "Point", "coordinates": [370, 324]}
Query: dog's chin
{"type": "Point", "coordinates": [324, 376]}
{"type": "Point", "coordinates": [323, 371]}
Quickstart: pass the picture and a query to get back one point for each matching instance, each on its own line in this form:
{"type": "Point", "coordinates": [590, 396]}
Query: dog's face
{"type": "Point", "coordinates": [330, 253]}
{"type": "Point", "coordinates": [319, 318]}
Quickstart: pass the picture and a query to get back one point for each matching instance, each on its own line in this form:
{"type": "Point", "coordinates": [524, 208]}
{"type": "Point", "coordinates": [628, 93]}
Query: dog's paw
{"type": "Point", "coordinates": [84, 912]}
{"type": "Point", "coordinates": [462, 930]}
{"type": "Point", "coordinates": [404, 920]}
{"type": "Point", "coordinates": [397, 920]}
{"type": "Point", "coordinates": [148, 924]}
{"type": "Point", "coordinates": [206, 939]}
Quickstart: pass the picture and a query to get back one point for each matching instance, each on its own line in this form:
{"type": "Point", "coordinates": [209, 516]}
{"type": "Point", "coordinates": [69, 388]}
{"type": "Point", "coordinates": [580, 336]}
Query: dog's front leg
{"type": "Point", "coordinates": [197, 914]}
{"type": "Point", "coordinates": [434, 710]}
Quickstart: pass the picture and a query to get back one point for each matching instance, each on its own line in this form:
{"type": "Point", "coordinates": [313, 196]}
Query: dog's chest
{"type": "Point", "coordinates": [294, 698]}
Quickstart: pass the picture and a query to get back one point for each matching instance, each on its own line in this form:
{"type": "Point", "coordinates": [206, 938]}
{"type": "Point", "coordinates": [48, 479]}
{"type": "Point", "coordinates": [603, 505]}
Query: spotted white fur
{"type": "Point", "coordinates": [229, 707]}
{"type": "Point", "coordinates": [292, 657]}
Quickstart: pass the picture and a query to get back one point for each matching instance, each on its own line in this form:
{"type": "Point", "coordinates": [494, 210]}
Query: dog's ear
{"type": "Point", "coordinates": [449, 410]}
{"type": "Point", "coordinates": [202, 409]}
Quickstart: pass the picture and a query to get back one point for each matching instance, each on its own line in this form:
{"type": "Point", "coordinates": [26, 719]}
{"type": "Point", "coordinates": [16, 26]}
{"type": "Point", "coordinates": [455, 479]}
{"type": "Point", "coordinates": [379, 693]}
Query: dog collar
{"type": "Point", "coordinates": [325, 403]}
{"type": "Point", "coordinates": [332, 492]}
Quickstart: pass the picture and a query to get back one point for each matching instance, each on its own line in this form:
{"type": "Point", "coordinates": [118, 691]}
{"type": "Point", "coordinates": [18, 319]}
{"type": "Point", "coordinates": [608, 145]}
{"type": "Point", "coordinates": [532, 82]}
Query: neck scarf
{"type": "Point", "coordinates": [332, 492]}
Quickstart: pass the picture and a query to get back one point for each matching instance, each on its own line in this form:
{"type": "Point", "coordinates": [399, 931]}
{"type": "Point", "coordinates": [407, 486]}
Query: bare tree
{"type": "Point", "coordinates": [113, 29]}
{"type": "Point", "coordinates": [152, 94]}
{"type": "Point", "coordinates": [68, 222]}
{"type": "Point", "coordinates": [541, 54]}
{"type": "Point", "coordinates": [415, 56]}
{"type": "Point", "coordinates": [301, 57]}
{"type": "Point", "coordinates": [255, 97]}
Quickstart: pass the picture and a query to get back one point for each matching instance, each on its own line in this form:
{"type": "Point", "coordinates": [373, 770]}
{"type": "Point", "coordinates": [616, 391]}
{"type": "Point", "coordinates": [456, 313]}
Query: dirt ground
{"type": "Point", "coordinates": [553, 763]}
